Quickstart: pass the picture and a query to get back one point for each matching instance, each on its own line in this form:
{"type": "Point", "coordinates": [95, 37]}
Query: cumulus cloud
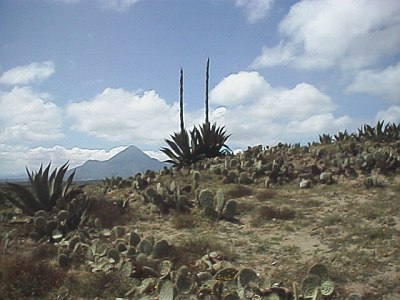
{"type": "Point", "coordinates": [125, 117]}
{"type": "Point", "coordinates": [27, 74]}
{"type": "Point", "coordinates": [267, 115]}
{"type": "Point", "coordinates": [318, 34]}
{"type": "Point", "coordinates": [255, 9]}
{"type": "Point", "coordinates": [16, 158]}
{"type": "Point", "coordinates": [118, 5]}
{"type": "Point", "coordinates": [392, 114]}
{"type": "Point", "coordinates": [384, 83]}
{"type": "Point", "coordinates": [28, 116]}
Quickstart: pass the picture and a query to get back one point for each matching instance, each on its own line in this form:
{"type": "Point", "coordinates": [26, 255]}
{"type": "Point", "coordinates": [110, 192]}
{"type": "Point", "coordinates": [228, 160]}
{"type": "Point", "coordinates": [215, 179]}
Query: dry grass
{"type": "Point", "coordinates": [239, 191]}
{"type": "Point", "coordinates": [23, 276]}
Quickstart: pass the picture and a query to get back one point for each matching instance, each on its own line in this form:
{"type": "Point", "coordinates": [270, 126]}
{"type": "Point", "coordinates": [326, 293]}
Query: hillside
{"type": "Point", "coordinates": [281, 222]}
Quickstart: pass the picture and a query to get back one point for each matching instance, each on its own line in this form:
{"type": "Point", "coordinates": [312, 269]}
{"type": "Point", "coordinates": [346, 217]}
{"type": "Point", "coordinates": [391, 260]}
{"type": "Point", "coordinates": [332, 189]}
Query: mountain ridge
{"type": "Point", "coordinates": [126, 163]}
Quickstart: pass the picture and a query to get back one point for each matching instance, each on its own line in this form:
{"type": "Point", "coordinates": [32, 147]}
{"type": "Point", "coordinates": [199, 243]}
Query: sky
{"type": "Point", "coordinates": [83, 79]}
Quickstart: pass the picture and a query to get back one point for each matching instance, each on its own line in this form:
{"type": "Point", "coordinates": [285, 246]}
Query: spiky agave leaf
{"type": "Point", "coordinates": [181, 149]}
{"type": "Point", "coordinates": [211, 140]}
{"type": "Point", "coordinates": [22, 197]}
{"type": "Point", "coordinates": [45, 193]}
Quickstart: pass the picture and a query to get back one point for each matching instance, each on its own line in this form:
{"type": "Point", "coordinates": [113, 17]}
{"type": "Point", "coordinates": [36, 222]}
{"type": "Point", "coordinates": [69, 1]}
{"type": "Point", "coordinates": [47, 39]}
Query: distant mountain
{"type": "Point", "coordinates": [128, 162]}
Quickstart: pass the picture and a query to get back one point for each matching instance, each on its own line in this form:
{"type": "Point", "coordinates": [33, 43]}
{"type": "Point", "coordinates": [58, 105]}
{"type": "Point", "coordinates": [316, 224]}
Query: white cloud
{"type": "Point", "coordinates": [239, 88]}
{"type": "Point", "coordinates": [126, 117]}
{"type": "Point", "coordinates": [118, 5]}
{"type": "Point", "coordinates": [267, 115]}
{"type": "Point", "coordinates": [16, 158]}
{"type": "Point", "coordinates": [318, 34]}
{"type": "Point", "coordinates": [161, 156]}
{"type": "Point", "coordinates": [384, 83]}
{"type": "Point", "coordinates": [255, 9]}
{"type": "Point", "coordinates": [392, 114]}
{"type": "Point", "coordinates": [26, 74]}
{"type": "Point", "coordinates": [27, 116]}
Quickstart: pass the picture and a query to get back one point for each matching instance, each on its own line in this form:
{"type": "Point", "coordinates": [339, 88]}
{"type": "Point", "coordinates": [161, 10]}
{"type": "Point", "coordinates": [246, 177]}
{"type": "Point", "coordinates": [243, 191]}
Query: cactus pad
{"type": "Point", "coordinates": [245, 276]}
{"type": "Point", "coordinates": [206, 198]}
{"type": "Point", "coordinates": [161, 249]}
{"type": "Point", "coordinates": [134, 239]}
{"type": "Point", "coordinates": [309, 284]}
{"type": "Point", "coordinates": [113, 254]}
{"type": "Point", "coordinates": [63, 260]}
{"type": "Point", "coordinates": [145, 246]}
{"type": "Point", "coordinates": [226, 274]}
{"type": "Point", "coordinates": [327, 288]}
{"type": "Point", "coordinates": [166, 290]}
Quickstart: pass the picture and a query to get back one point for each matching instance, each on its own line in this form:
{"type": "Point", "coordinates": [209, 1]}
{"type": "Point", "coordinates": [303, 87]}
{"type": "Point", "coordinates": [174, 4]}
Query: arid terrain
{"type": "Point", "coordinates": [333, 207]}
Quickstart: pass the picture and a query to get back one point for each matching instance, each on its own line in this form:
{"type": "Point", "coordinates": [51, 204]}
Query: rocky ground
{"type": "Point", "coordinates": [327, 214]}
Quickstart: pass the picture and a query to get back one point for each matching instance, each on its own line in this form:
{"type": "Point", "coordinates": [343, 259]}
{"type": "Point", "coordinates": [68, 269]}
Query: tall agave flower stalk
{"type": "Point", "coordinates": [206, 141]}
{"type": "Point", "coordinates": [181, 101]}
{"type": "Point", "coordinates": [207, 79]}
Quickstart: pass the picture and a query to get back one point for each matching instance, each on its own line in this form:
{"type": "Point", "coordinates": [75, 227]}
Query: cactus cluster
{"type": "Point", "coordinates": [317, 283]}
{"type": "Point", "coordinates": [168, 196]}
{"type": "Point", "coordinates": [56, 224]}
{"type": "Point", "coordinates": [216, 206]}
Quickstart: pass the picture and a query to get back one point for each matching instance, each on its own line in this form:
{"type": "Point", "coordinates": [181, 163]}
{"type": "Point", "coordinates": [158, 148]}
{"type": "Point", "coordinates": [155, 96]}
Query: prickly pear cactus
{"type": "Point", "coordinates": [134, 239]}
{"type": "Point", "coordinates": [72, 242]}
{"type": "Point", "coordinates": [245, 276]}
{"type": "Point", "coordinates": [40, 223]}
{"type": "Point", "coordinates": [327, 288]}
{"type": "Point", "coordinates": [220, 201]}
{"type": "Point", "coordinates": [161, 249]}
{"type": "Point", "coordinates": [63, 260]}
{"type": "Point", "coordinates": [196, 176]}
{"type": "Point", "coordinates": [230, 209]}
{"type": "Point", "coordinates": [320, 270]}
{"type": "Point", "coordinates": [309, 284]}
{"type": "Point", "coordinates": [117, 232]}
{"type": "Point", "coordinates": [209, 212]}
{"type": "Point", "coordinates": [183, 282]}
{"type": "Point", "coordinates": [166, 290]}
{"type": "Point", "coordinates": [226, 274]}
{"type": "Point", "coordinates": [145, 246]}
{"type": "Point", "coordinates": [63, 216]}
{"type": "Point", "coordinates": [206, 198]}
{"type": "Point", "coordinates": [114, 254]}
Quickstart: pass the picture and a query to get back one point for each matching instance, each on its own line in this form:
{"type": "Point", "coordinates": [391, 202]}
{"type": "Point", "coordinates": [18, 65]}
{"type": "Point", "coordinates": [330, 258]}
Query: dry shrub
{"type": "Point", "coordinates": [21, 276]}
{"type": "Point", "coordinates": [266, 194]}
{"type": "Point", "coordinates": [104, 285]}
{"type": "Point", "coordinates": [184, 220]}
{"type": "Point", "coordinates": [108, 213]}
{"type": "Point", "coordinates": [239, 191]}
{"type": "Point", "coordinates": [268, 212]}
{"type": "Point", "coordinates": [44, 251]}
{"type": "Point", "coordinates": [193, 247]}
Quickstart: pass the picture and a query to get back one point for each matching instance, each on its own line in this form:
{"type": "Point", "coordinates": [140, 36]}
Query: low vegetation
{"type": "Point", "coordinates": [286, 222]}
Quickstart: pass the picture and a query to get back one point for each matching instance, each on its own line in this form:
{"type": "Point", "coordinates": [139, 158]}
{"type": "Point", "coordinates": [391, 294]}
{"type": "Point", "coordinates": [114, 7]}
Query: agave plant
{"type": "Point", "coordinates": [341, 136]}
{"type": "Point", "coordinates": [210, 141]}
{"type": "Point", "coordinates": [325, 139]}
{"type": "Point", "coordinates": [44, 193]}
{"type": "Point", "coordinates": [182, 148]}
{"type": "Point", "coordinates": [204, 142]}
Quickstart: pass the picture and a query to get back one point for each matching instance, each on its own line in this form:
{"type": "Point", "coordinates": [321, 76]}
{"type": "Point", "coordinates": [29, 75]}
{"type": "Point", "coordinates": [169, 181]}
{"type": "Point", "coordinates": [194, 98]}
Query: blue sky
{"type": "Point", "coordinates": [83, 79]}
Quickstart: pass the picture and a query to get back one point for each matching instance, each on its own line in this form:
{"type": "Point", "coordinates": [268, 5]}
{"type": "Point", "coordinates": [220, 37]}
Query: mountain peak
{"type": "Point", "coordinates": [126, 163]}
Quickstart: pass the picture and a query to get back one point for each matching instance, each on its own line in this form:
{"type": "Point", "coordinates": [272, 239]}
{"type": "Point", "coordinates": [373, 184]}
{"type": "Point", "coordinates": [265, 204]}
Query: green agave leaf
{"type": "Point", "coordinates": [41, 188]}
{"type": "Point", "coordinates": [27, 202]}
